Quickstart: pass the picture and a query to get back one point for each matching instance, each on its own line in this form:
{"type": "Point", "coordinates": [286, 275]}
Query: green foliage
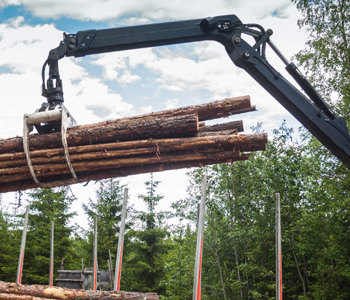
{"type": "Point", "coordinates": [47, 205]}
{"type": "Point", "coordinates": [179, 264]}
{"type": "Point", "coordinates": [107, 208]}
{"type": "Point", "coordinates": [239, 240]}
{"type": "Point", "coordinates": [9, 245]}
{"type": "Point", "coordinates": [146, 257]}
{"type": "Point", "coordinates": [327, 55]}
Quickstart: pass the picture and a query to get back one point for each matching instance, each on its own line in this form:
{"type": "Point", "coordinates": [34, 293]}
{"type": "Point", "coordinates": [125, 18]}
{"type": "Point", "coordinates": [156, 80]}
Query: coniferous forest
{"type": "Point", "coordinates": [239, 234]}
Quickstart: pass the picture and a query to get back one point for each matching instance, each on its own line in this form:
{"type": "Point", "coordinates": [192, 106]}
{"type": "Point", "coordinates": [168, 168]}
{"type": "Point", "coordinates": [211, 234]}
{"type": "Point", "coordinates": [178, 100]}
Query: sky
{"type": "Point", "coordinates": [113, 85]}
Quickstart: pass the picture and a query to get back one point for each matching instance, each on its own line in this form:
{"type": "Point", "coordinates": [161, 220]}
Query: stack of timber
{"type": "Point", "coordinates": [37, 292]}
{"type": "Point", "coordinates": [170, 139]}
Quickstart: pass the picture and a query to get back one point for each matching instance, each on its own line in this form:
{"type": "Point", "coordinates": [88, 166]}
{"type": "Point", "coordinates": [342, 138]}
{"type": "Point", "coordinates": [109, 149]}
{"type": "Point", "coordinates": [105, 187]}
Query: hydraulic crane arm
{"type": "Point", "coordinates": [228, 30]}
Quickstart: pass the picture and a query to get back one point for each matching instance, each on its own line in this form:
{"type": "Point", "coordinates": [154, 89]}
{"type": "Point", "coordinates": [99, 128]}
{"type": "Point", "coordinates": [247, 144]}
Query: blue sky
{"type": "Point", "coordinates": [108, 86]}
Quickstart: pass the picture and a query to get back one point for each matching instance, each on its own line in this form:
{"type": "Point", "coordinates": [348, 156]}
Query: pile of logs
{"type": "Point", "coordinates": [165, 140]}
{"type": "Point", "coordinates": [38, 292]}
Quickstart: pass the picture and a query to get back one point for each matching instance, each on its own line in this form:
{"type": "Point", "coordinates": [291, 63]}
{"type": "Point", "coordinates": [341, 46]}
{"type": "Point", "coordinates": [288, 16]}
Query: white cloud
{"type": "Point", "coordinates": [171, 103]}
{"type": "Point", "coordinates": [109, 10]}
{"type": "Point", "coordinates": [4, 3]}
{"type": "Point", "coordinates": [23, 49]}
{"type": "Point", "coordinates": [127, 77]}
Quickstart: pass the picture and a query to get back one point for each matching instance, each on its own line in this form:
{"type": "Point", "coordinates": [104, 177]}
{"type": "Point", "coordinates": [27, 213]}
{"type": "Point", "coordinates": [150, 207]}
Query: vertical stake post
{"type": "Point", "coordinates": [51, 254]}
{"type": "Point", "coordinates": [118, 264]}
{"type": "Point", "coordinates": [111, 272]}
{"type": "Point", "coordinates": [23, 245]}
{"type": "Point", "coordinates": [94, 277]}
{"type": "Point", "coordinates": [278, 249]}
{"type": "Point", "coordinates": [199, 247]}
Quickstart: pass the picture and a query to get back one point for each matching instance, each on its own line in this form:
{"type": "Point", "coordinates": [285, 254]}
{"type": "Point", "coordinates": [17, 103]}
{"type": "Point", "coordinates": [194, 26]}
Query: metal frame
{"type": "Point", "coordinates": [58, 114]}
{"type": "Point", "coordinates": [312, 112]}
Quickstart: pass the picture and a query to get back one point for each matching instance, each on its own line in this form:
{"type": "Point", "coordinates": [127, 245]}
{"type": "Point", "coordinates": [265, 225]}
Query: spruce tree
{"type": "Point", "coordinates": [47, 205]}
{"type": "Point", "coordinates": [8, 248]}
{"type": "Point", "coordinates": [148, 254]}
{"type": "Point", "coordinates": [107, 208]}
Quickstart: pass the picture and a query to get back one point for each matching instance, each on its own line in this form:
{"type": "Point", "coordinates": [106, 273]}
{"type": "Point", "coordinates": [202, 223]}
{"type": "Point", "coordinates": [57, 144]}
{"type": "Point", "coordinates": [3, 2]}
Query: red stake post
{"type": "Point", "coordinates": [51, 254]}
{"type": "Point", "coordinates": [118, 266]}
{"type": "Point", "coordinates": [278, 249]}
{"type": "Point", "coordinates": [23, 245]}
{"type": "Point", "coordinates": [199, 247]}
{"type": "Point", "coordinates": [94, 279]}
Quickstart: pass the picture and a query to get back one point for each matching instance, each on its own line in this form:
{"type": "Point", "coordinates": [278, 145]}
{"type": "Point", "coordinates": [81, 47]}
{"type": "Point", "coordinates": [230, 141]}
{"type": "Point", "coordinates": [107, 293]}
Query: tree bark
{"type": "Point", "coordinates": [211, 133]}
{"type": "Point", "coordinates": [154, 142]}
{"type": "Point", "coordinates": [299, 273]}
{"type": "Point", "coordinates": [33, 292]}
{"type": "Point", "coordinates": [4, 296]}
{"type": "Point", "coordinates": [61, 180]}
{"type": "Point", "coordinates": [14, 174]}
{"type": "Point", "coordinates": [142, 147]}
{"type": "Point", "coordinates": [208, 111]}
{"type": "Point", "coordinates": [132, 128]}
{"type": "Point", "coordinates": [203, 149]}
{"type": "Point", "coordinates": [238, 125]}
{"type": "Point", "coordinates": [155, 127]}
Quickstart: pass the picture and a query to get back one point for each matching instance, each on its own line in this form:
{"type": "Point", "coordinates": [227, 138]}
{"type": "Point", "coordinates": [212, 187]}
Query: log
{"type": "Point", "coordinates": [110, 173]}
{"type": "Point", "coordinates": [155, 127]}
{"type": "Point", "coordinates": [221, 129]}
{"type": "Point", "coordinates": [216, 133]}
{"type": "Point", "coordinates": [4, 296]}
{"type": "Point", "coordinates": [24, 292]}
{"type": "Point", "coordinates": [122, 149]}
{"type": "Point", "coordinates": [42, 171]}
{"type": "Point", "coordinates": [189, 152]}
{"type": "Point", "coordinates": [166, 140]}
{"type": "Point", "coordinates": [138, 127]}
{"type": "Point", "coordinates": [116, 159]}
{"type": "Point", "coordinates": [207, 111]}
{"type": "Point", "coordinates": [238, 125]}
